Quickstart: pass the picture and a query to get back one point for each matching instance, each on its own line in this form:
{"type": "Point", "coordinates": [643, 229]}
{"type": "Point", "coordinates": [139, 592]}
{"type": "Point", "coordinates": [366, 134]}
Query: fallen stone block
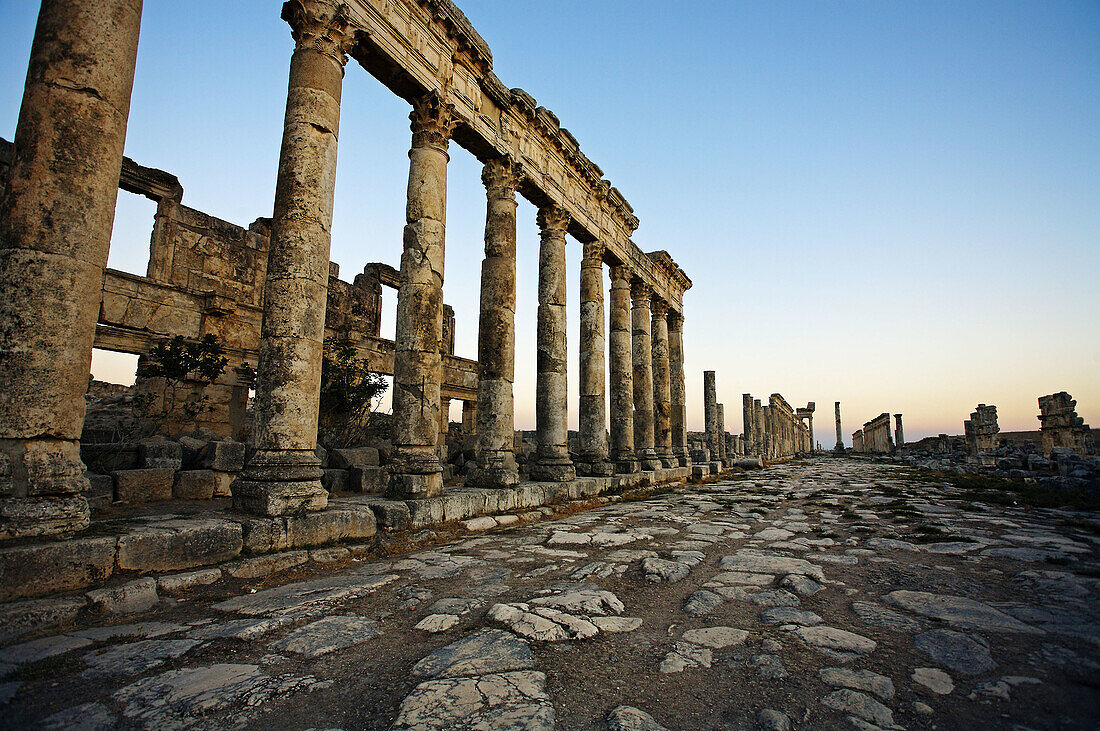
{"type": "Point", "coordinates": [129, 598]}
{"type": "Point", "coordinates": [700, 471]}
{"type": "Point", "coordinates": [172, 545]}
{"type": "Point", "coordinates": [366, 479]}
{"type": "Point", "coordinates": [47, 568]}
{"type": "Point", "coordinates": [335, 480]}
{"type": "Point", "coordinates": [194, 485]}
{"type": "Point", "coordinates": [176, 583]}
{"type": "Point", "coordinates": [391, 515]}
{"type": "Point", "coordinates": [160, 454]}
{"type": "Point", "coordinates": [144, 485]}
{"type": "Point", "coordinates": [485, 522]}
{"type": "Point", "coordinates": [224, 456]}
{"type": "Point", "coordinates": [22, 618]}
{"type": "Point", "coordinates": [261, 566]}
{"type": "Point", "coordinates": [357, 457]}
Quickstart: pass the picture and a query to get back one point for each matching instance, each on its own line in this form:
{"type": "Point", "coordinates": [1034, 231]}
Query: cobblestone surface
{"type": "Point", "coordinates": [824, 593]}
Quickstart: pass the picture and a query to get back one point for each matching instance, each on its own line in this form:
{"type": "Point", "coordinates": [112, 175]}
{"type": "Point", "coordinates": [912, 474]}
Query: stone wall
{"type": "Point", "coordinates": [875, 436]}
{"type": "Point", "coordinates": [981, 431]}
{"type": "Point", "coordinates": [1062, 428]}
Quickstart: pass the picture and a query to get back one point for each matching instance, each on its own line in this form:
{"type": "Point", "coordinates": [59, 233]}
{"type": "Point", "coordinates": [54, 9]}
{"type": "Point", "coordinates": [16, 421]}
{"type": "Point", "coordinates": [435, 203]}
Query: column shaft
{"type": "Point", "coordinates": [710, 414]}
{"type": "Point", "coordinates": [899, 433]}
{"type": "Point", "coordinates": [552, 462]}
{"type": "Point", "coordinates": [760, 430]}
{"type": "Point", "coordinates": [620, 354]}
{"type": "Point", "coordinates": [723, 451]}
{"type": "Point", "coordinates": [496, 340]}
{"type": "Point", "coordinates": [678, 391]}
{"type": "Point", "coordinates": [839, 439]}
{"type": "Point", "coordinates": [417, 363]}
{"type": "Point", "coordinates": [642, 346]}
{"type": "Point", "coordinates": [56, 215]}
{"type": "Point", "coordinates": [662, 385]}
{"type": "Point", "coordinates": [593, 455]}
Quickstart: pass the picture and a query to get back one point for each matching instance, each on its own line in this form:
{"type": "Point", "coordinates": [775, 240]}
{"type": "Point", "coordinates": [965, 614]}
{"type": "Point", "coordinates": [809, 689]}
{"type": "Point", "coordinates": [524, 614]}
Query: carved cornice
{"type": "Point", "coordinates": [433, 121]}
{"type": "Point", "coordinates": [593, 254]}
{"type": "Point", "coordinates": [553, 219]}
{"type": "Point", "coordinates": [322, 26]}
{"type": "Point", "coordinates": [501, 176]}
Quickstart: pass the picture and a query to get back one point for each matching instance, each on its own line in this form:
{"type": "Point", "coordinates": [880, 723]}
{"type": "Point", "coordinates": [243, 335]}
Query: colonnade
{"type": "Point", "coordinates": [58, 214]}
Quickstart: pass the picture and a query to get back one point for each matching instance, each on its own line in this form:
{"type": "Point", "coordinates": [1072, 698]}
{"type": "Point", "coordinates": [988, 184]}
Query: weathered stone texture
{"type": "Point", "coordinates": [1061, 427]}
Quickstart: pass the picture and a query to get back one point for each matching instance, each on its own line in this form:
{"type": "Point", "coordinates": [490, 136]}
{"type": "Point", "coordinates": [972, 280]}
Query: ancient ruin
{"type": "Point", "coordinates": [981, 431]}
{"type": "Point", "coordinates": [875, 437]}
{"type": "Point", "coordinates": [1062, 428]}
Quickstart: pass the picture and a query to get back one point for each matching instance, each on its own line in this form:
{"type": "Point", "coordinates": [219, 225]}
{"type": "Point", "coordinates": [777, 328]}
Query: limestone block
{"type": "Point", "coordinates": [715, 467]}
{"type": "Point", "coordinates": [102, 487]}
{"type": "Point", "coordinates": [144, 485]}
{"type": "Point", "coordinates": [225, 456]}
{"type": "Point", "coordinates": [363, 478]}
{"type": "Point", "coordinates": [700, 471]}
{"type": "Point", "coordinates": [425, 511]}
{"type": "Point", "coordinates": [391, 515]}
{"type": "Point", "coordinates": [5, 476]}
{"type": "Point", "coordinates": [335, 480]}
{"type": "Point", "coordinates": [353, 522]}
{"type": "Point", "coordinates": [172, 545]}
{"type": "Point", "coordinates": [22, 618]}
{"type": "Point", "coordinates": [261, 566]}
{"type": "Point", "coordinates": [194, 485]}
{"type": "Point", "coordinates": [47, 568]}
{"type": "Point", "coordinates": [176, 583]}
{"type": "Point", "coordinates": [160, 454]}
{"type": "Point", "coordinates": [46, 515]}
{"type": "Point", "coordinates": [358, 457]}
{"type": "Point", "coordinates": [700, 456]}
{"type": "Point", "coordinates": [129, 598]}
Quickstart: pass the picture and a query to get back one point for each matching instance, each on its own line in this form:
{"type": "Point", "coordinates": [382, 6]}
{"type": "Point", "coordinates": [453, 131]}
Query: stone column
{"type": "Point", "coordinates": [620, 354]}
{"type": "Point", "coordinates": [810, 427]}
{"type": "Point", "coordinates": [417, 364]}
{"type": "Point", "coordinates": [469, 422]}
{"type": "Point", "coordinates": [444, 428]}
{"type": "Point", "coordinates": [282, 475]}
{"type": "Point", "coordinates": [642, 347]}
{"type": "Point", "coordinates": [593, 457]}
{"type": "Point", "coordinates": [662, 386]}
{"type": "Point", "coordinates": [723, 451]}
{"type": "Point", "coordinates": [496, 341]}
{"type": "Point", "coordinates": [551, 462]}
{"type": "Point", "coordinates": [677, 388]}
{"type": "Point", "coordinates": [769, 432]}
{"type": "Point", "coordinates": [899, 434]}
{"type": "Point", "coordinates": [56, 215]}
{"type": "Point", "coordinates": [710, 414]}
{"type": "Point", "coordinates": [749, 418]}
{"type": "Point", "coordinates": [839, 439]}
{"type": "Point", "coordinates": [760, 431]}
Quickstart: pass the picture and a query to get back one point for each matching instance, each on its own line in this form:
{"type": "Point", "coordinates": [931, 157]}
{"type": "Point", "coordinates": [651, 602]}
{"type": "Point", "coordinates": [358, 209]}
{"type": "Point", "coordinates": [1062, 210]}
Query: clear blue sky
{"type": "Point", "coordinates": [891, 204]}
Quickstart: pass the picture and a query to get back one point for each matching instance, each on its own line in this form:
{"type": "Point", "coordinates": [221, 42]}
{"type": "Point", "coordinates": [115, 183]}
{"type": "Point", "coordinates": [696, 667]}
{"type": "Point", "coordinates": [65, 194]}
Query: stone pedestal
{"type": "Point", "coordinates": [642, 345]}
{"type": "Point", "coordinates": [662, 386]}
{"type": "Point", "coordinates": [283, 475]}
{"type": "Point", "coordinates": [678, 390]}
{"type": "Point", "coordinates": [496, 340]}
{"type": "Point", "coordinates": [592, 458]}
{"type": "Point", "coordinates": [620, 354]}
{"type": "Point", "coordinates": [417, 363]}
{"type": "Point", "coordinates": [551, 461]}
{"type": "Point", "coordinates": [56, 215]}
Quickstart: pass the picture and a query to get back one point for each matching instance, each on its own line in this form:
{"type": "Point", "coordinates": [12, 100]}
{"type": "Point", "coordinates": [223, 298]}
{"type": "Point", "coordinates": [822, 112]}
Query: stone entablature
{"type": "Point", "coordinates": [1062, 428]}
{"type": "Point", "coordinates": [875, 437]}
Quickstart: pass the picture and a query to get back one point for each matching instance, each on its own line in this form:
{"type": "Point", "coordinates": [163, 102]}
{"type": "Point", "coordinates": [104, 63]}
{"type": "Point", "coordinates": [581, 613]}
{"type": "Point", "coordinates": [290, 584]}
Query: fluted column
{"type": "Point", "coordinates": [496, 340]}
{"type": "Point", "coordinates": [662, 385]}
{"type": "Point", "coordinates": [552, 463]}
{"type": "Point", "coordinates": [282, 476]}
{"type": "Point", "coordinates": [620, 354]}
{"type": "Point", "coordinates": [56, 215]}
{"type": "Point", "coordinates": [417, 362]}
{"type": "Point", "coordinates": [678, 392]}
{"type": "Point", "coordinates": [593, 455]}
{"type": "Point", "coordinates": [642, 346]}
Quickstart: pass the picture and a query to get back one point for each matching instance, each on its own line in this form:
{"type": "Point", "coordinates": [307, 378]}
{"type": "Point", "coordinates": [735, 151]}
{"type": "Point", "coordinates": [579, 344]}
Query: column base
{"type": "Point", "coordinates": [411, 486]}
{"type": "Point", "coordinates": [43, 516]}
{"type": "Point", "coordinates": [598, 466]}
{"type": "Point", "coordinates": [556, 471]}
{"type": "Point", "coordinates": [626, 465]}
{"type": "Point", "coordinates": [668, 460]}
{"type": "Point", "coordinates": [649, 460]}
{"type": "Point", "coordinates": [280, 482]}
{"type": "Point", "coordinates": [491, 475]}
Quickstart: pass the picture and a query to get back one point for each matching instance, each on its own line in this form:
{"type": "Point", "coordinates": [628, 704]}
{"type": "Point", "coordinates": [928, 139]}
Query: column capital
{"type": "Point", "coordinates": [675, 320]}
{"type": "Point", "coordinates": [659, 307]}
{"type": "Point", "coordinates": [553, 219]}
{"type": "Point", "coordinates": [322, 26]}
{"type": "Point", "coordinates": [501, 176]}
{"type": "Point", "coordinates": [593, 254]}
{"type": "Point", "coordinates": [639, 291]}
{"type": "Point", "coordinates": [433, 121]}
{"type": "Point", "coordinates": [620, 276]}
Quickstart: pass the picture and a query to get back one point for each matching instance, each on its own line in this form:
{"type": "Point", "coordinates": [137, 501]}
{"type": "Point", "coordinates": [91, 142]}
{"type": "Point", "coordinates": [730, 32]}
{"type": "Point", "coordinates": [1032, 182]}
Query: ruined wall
{"type": "Point", "coordinates": [1062, 428]}
{"type": "Point", "coordinates": [876, 436]}
{"type": "Point", "coordinates": [981, 431]}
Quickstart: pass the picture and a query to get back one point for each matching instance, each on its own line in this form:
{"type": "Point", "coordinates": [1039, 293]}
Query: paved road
{"type": "Point", "coordinates": [823, 593]}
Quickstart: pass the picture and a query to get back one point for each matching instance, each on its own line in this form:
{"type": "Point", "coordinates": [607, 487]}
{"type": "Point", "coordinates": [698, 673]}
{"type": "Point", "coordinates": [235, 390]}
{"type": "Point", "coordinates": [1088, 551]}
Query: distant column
{"type": "Point", "coordinates": [620, 353]}
{"type": "Point", "coordinates": [417, 363]}
{"type": "Point", "coordinates": [552, 462]}
{"type": "Point", "coordinates": [710, 414]}
{"type": "Point", "coordinates": [56, 215]}
{"type": "Point", "coordinates": [723, 450]}
{"type": "Point", "coordinates": [678, 389]}
{"type": "Point", "coordinates": [592, 435]}
{"type": "Point", "coordinates": [496, 341]}
{"type": "Point", "coordinates": [444, 428]}
{"type": "Point", "coordinates": [760, 432]}
{"type": "Point", "coordinates": [662, 385]}
{"type": "Point", "coordinates": [469, 420]}
{"type": "Point", "coordinates": [770, 439]}
{"type": "Point", "coordinates": [899, 434]}
{"type": "Point", "coordinates": [810, 428]}
{"type": "Point", "coordinates": [282, 475]}
{"type": "Point", "coordinates": [839, 439]}
{"type": "Point", "coordinates": [640, 293]}
{"type": "Point", "coordinates": [749, 421]}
